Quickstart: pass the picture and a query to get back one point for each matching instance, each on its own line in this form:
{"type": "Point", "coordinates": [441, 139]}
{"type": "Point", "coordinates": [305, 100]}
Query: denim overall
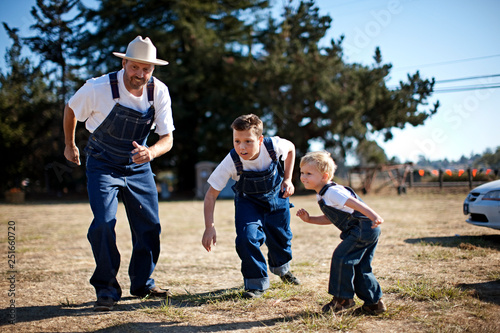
{"type": "Point", "coordinates": [262, 215]}
{"type": "Point", "coordinates": [110, 171]}
{"type": "Point", "coordinates": [351, 270]}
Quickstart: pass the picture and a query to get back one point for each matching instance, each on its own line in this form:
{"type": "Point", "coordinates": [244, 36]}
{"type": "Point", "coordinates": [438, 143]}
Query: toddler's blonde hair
{"type": "Point", "coordinates": [322, 160]}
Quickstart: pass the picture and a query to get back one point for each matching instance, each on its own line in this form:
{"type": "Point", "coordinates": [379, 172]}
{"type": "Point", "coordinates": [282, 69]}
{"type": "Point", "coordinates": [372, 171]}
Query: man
{"type": "Point", "coordinates": [119, 110]}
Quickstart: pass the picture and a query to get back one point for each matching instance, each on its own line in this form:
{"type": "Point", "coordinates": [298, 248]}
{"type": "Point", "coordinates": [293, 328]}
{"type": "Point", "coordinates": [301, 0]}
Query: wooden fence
{"type": "Point", "coordinates": [401, 176]}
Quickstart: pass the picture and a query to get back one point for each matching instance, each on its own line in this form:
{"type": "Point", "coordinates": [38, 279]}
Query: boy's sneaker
{"type": "Point", "coordinates": [338, 304]}
{"type": "Point", "coordinates": [104, 304]}
{"type": "Point", "coordinates": [290, 278]}
{"type": "Point", "coordinates": [253, 293]}
{"type": "Point", "coordinates": [376, 308]}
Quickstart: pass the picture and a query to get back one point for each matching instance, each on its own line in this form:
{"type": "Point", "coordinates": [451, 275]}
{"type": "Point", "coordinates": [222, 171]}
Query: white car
{"type": "Point", "coordinates": [483, 205]}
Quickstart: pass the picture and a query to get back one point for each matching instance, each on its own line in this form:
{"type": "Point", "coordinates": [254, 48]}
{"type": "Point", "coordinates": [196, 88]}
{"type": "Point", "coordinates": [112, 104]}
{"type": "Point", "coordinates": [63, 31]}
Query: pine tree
{"type": "Point", "coordinates": [206, 44]}
{"type": "Point", "coordinates": [315, 96]}
{"type": "Point", "coordinates": [27, 110]}
{"type": "Point", "coordinates": [54, 41]}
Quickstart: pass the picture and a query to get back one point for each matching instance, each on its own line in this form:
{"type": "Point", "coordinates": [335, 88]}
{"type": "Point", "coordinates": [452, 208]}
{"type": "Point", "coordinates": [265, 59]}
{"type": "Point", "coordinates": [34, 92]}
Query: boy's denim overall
{"type": "Point", "coordinates": [351, 270]}
{"type": "Point", "coordinates": [110, 171]}
{"type": "Point", "coordinates": [262, 215]}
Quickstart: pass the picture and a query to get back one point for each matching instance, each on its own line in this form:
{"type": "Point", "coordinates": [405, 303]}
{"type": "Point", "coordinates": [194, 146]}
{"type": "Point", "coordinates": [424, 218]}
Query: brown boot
{"type": "Point", "coordinates": [375, 309]}
{"type": "Point", "coordinates": [338, 304]}
{"type": "Point", "coordinates": [155, 293]}
{"type": "Point", "coordinates": [104, 304]}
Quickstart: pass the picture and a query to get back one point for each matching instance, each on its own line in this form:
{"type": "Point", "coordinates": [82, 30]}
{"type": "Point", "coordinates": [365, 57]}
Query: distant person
{"type": "Point", "coordinates": [119, 110]}
{"type": "Point", "coordinates": [351, 266]}
{"type": "Point", "coordinates": [262, 207]}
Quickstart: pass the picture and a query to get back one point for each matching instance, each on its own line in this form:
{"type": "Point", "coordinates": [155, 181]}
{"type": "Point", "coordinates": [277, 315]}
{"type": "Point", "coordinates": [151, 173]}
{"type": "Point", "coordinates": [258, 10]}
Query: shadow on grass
{"type": "Point", "coordinates": [221, 295]}
{"type": "Point", "coordinates": [223, 327]}
{"type": "Point", "coordinates": [485, 291]}
{"type": "Point", "coordinates": [38, 313]}
{"type": "Point", "coordinates": [483, 241]}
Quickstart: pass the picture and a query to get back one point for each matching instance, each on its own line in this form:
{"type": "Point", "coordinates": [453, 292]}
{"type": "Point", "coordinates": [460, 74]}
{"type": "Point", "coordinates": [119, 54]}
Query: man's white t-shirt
{"type": "Point", "coordinates": [226, 169]}
{"type": "Point", "coordinates": [94, 101]}
{"type": "Point", "coordinates": [336, 196]}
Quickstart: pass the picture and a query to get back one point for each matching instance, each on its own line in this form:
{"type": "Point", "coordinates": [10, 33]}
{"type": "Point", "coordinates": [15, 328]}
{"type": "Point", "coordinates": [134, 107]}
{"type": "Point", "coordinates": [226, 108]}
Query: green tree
{"type": "Point", "coordinates": [27, 110]}
{"type": "Point", "coordinates": [318, 97]}
{"type": "Point", "coordinates": [370, 154]}
{"type": "Point", "coordinates": [205, 43]}
{"type": "Point", "coordinates": [294, 75]}
{"type": "Point", "coordinates": [490, 159]}
{"type": "Point", "coordinates": [54, 40]}
{"type": "Point", "coordinates": [227, 58]}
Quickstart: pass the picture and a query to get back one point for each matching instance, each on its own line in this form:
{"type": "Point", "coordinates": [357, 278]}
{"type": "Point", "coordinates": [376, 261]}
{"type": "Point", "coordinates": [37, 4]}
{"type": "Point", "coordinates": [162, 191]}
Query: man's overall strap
{"type": "Point", "coordinates": [113, 80]}
{"type": "Point", "coordinates": [151, 90]}
{"type": "Point", "coordinates": [237, 161]}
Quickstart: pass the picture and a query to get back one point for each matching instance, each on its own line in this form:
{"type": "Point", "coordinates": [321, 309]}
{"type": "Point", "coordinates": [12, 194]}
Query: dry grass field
{"type": "Point", "coordinates": [438, 273]}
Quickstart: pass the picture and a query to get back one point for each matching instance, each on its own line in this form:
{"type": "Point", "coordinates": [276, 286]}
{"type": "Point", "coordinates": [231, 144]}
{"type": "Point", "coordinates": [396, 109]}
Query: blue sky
{"type": "Point", "coordinates": [445, 39]}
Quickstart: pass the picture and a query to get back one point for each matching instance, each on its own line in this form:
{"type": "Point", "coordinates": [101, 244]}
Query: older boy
{"type": "Point", "coordinates": [262, 208]}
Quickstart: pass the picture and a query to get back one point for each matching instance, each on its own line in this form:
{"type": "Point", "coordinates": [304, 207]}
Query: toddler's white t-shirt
{"type": "Point", "coordinates": [336, 196]}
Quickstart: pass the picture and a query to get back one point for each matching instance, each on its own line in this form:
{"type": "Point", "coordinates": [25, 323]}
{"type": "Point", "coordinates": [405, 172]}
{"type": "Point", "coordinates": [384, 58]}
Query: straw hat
{"type": "Point", "coordinates": [141, 50]}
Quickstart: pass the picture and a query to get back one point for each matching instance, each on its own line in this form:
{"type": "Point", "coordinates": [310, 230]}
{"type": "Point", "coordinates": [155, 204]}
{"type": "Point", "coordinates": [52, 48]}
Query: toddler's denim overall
{"type": "Point", "coordinates": [110, 171]}
{"type": "Point", "coordinates": [262, 215]}
{"type": "Point", "coordinates": [351, 270]}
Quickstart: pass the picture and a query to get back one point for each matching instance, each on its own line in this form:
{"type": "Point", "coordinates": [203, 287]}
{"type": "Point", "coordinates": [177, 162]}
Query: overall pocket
{"type": "Point", "coordinates": [127, 128]}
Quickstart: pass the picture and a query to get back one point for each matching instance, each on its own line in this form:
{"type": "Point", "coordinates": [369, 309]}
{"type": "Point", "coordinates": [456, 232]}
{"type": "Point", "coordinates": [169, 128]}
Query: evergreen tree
{"type": "Point", "coordinates": [314, 95]}
{"type": "Point", "coordinates": [54, 41]}
{"type": "Point", "coordinates": [489, 159]}
{"type": "Point", "coordinates": [27, 110]}
{"type": "Point", "coordinates": [224, 61]}
{"type": "Point", "coordinates": [207, 45]}
{"type": "Point", "coordinates": [294, 74]}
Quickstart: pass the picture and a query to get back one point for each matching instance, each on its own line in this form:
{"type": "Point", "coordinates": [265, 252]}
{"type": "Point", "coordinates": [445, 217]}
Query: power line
{"type": "Point", "coordinates": [468, 78]}
{"type": "Point", "coordinates": [466, 88]}
{"type": "Point", "coordinates": [459, 88]}
{"type": "Point", "coordinates": [492, 85]}
{"type": "Point", "coordinates": [447, 62]}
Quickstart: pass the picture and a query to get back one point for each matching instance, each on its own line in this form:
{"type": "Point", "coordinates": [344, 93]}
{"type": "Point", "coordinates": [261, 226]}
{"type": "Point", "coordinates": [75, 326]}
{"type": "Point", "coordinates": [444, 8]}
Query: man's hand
{"type": "Point", "coordinates": [72, 154]}
{"type": "Point", "coordinates": [141, 154]}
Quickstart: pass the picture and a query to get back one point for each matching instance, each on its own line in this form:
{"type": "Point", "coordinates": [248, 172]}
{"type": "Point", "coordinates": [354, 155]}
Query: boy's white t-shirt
{"type": "Point", "coordinates": [336, 196]}
{"type": "Point", "coordinates": [94, 101]}
{"type": "Point", "coordinates": [226, 169]}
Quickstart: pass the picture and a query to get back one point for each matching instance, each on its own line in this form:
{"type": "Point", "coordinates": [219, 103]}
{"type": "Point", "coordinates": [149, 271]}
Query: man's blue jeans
{"type": "Point", "coordinates": [136, 186]}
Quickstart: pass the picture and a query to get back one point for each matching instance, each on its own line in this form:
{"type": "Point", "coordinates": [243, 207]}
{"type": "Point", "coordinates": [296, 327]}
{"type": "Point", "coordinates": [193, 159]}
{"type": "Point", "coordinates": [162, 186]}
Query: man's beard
{"type": "Point", "coordinates": [136, 82]}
